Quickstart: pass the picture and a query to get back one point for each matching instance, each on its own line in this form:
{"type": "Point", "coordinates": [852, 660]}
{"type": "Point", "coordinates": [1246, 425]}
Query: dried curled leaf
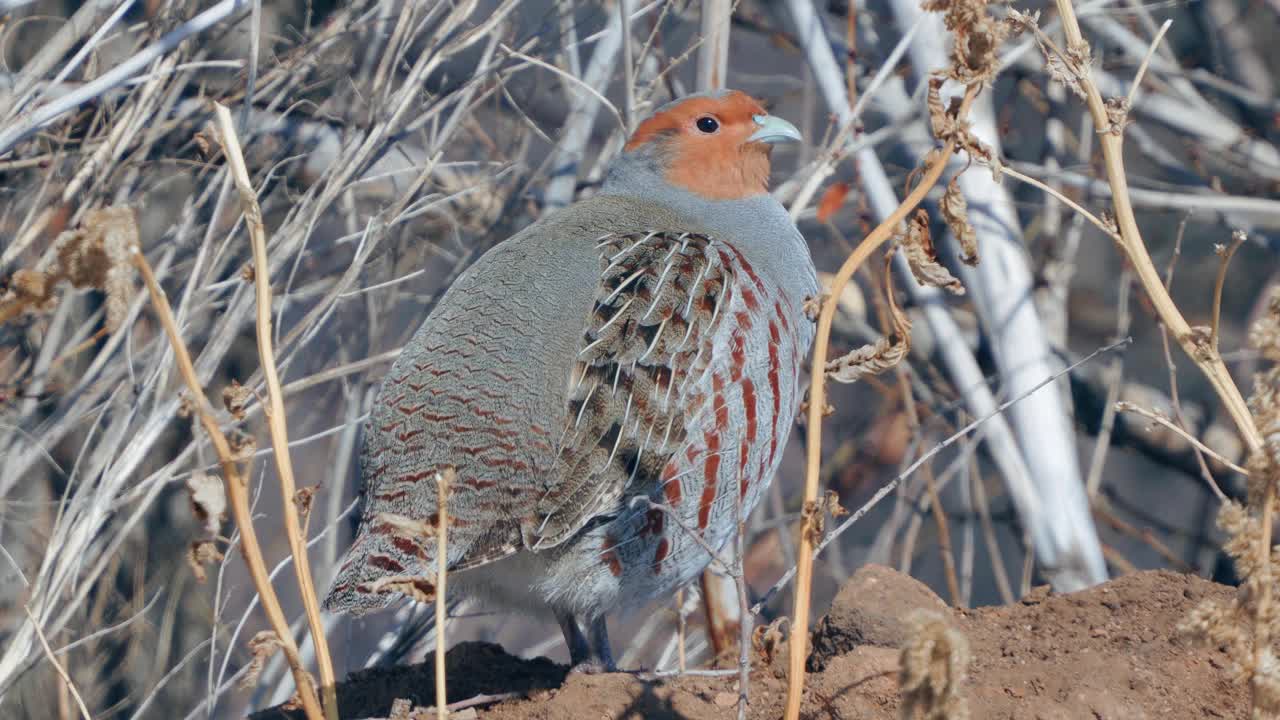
{"type": "Point", "coordinates": [242, 446]}
{"type": "Point", "coordinates": [923, 259]}
{"type": "Point", "coordinates": [977, 37]}
{"type": "Point", "coordinates": [812, 306]}
{"type": "Point", "coordinates": [955, 210]}
{"type": "Point", "coordinates": [813, 521]}
{"type": "Point", "coordinates": [303, 498]}
{"type": "Point", "coordinates": [201, 553]}
{"type": "Point", "coordinates": [262, 646]}
{"type": "Point", "coordinates": [235, 398]}
{"type": "Point", "coordinates": [942, 120]}
{"type": "Point", "coordinates": [867, 360]}
{"type": "Point", "coordinates": [831, 504]}
{"type": "Point", "coordinates": [767, 640]}
{"type": "Point", "coordinates": [831, 200]}
{"type": "Point", "coordinates": [932, 669]}
{"type": "Point", "coordinates": [881, 355]}
{"type": "Point", "coordinates": [208, 501]}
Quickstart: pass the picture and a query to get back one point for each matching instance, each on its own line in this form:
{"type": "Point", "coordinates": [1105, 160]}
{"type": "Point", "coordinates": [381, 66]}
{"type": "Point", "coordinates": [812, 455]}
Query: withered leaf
{"type": "Point", "coordinates": [923, 259]}
{"type": "Point", "coordinates": [955, 210]}
{"type": "Point", "coordinates": [262, 646]}
{"type": "Point", "coordinates": [201, 553]}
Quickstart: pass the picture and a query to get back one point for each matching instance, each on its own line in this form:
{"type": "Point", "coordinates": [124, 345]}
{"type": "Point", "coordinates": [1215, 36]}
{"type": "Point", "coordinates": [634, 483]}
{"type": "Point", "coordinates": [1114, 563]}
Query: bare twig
{"type": "Point", "coordinates": [817, 401]}
{"type": "Point", "coordinates": [57, 666]}
{"type": "Point", "coordinates": [1146, 60]}
{"type": "Point", "coordinates": [1225, 253]}
{"type": "Point", "coordinates": [443, 481]}
{"type": "Point", "coordinates": [276, 419]}
{"type": "Point", "coordinates": [118, 74]}
{"type": "Point", "coordinates": [1206, 357]}
{"type": "Point", "coordinates": [237, 493]}
{"type": "Point", "coordinates": [1126, 406]}
{"type": "Point", "coordinates": [713, 55]}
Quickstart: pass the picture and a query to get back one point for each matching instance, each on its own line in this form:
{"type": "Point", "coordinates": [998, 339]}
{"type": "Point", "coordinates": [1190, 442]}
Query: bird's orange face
{"type": "Point", "coordinates": [715, 147]}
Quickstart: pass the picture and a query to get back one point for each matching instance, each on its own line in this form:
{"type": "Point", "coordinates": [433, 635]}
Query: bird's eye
{"type": "Point", "coordinates": [708, 124]}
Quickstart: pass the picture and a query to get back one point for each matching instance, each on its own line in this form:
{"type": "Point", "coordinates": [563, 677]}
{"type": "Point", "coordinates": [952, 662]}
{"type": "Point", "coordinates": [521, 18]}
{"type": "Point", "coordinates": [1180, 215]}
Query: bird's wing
{"type": "Point", "coordinates": [644, 353]}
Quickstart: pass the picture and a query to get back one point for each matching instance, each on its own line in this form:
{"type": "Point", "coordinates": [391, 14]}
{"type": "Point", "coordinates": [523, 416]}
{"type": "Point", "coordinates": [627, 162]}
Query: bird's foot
{"type": "Point", "coordinates": [593, 666]}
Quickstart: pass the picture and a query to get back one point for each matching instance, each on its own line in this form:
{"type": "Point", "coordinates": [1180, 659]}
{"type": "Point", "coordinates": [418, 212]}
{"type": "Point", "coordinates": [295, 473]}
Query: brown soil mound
{"type": "Point", "coordinates": [1110, 652]}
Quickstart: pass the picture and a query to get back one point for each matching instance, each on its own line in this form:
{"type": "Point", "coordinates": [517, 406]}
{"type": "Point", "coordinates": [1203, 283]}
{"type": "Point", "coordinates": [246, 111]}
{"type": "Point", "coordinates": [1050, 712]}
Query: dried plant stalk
{"type": "Point", "coordinates": [1196, 345]}
{"type": "Point", "coordinates": [443, 480]}
{"type": "Point", "coordinates": [57, 666]}
{"type": "Point", "coordinates": [276, 420]}
{"type": "Point", "coordinates": [817, 402]}
{"type": "Point", "coordinates": [237, 492]}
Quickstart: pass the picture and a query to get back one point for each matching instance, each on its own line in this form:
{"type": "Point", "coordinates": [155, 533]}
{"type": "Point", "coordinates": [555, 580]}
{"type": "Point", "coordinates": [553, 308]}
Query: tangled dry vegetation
{"type": "Point", "coordinates": [257, 202]}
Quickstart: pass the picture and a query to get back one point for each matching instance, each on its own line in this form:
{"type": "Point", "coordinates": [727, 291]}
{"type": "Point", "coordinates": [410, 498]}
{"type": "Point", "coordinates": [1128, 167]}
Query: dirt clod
{"type": "Point", "coordinates": [1111, 652]}
{"type": "Point", "coordinates": [870, 609]}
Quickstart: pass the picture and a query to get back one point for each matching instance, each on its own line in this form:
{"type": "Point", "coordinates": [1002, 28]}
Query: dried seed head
{"type": "Point", "coordinates": [303, 499]}
{"type": "Point", "coordinates": [201, 553]}
{"type": "Point", "coordinates": [208, 501]}
{"type": "Point", "coordinates": [977, 37]}
{"type": "Point", "coordinates": [96, 256]}
{"type": "Point", "coordinates": [1265, 333]}
{"type": "Point", "coordinates": [933, 664]}
{"type": "Point", "coordinates": [235, 398]}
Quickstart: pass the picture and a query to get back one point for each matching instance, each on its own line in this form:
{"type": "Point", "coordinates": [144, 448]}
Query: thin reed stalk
{"type": "Point", "coordinates": [276, 419]}
{"type": "Point", "coordinates": [237, 492]}
{"type": "Point", "coordinates": [798, 646]}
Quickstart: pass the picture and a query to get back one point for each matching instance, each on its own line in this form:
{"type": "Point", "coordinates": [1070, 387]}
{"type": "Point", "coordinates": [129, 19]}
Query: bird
{"type": "Point", "coordinates": [611, 389]}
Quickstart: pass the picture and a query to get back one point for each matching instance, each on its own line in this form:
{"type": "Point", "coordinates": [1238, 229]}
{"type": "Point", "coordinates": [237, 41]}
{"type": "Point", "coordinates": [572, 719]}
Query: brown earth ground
{"type": "Point", "coordinates": [1110, 652]}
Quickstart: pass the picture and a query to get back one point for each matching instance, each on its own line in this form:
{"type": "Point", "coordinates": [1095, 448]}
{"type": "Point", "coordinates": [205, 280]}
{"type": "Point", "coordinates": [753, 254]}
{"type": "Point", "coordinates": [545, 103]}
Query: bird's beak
{"type": "Point", "coordinates": [773, 130]}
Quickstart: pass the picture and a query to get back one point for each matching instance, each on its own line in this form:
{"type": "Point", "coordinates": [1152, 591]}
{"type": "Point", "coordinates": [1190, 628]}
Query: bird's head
{"type": "Point", "coordinates": [713, 145]}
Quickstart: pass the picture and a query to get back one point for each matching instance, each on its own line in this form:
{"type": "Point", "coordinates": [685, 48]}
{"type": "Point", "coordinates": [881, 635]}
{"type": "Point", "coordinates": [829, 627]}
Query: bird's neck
{"type": "Point", "coordinates": [733, 174]}
{"type": "Point", "coordinates": [759, 225]}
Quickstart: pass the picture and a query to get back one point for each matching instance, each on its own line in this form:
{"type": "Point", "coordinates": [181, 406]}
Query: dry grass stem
{"type": "Point", "coordinates": [1126, 406]}
{"type": "Point", "coordinates": [57, 666]}
{"type": "Point", "coordinates": [798, 649]}
{"type": "Point", "coordinates": [1109, 117]}
{"type": "Point", "coordinates": [276, 417]}
{"type": "Point", "coordinates": [237, 491]}
{"type": "Point", "coordinates": [1225, 254]}
{"type": "Point", "coordinates": [443, 480]}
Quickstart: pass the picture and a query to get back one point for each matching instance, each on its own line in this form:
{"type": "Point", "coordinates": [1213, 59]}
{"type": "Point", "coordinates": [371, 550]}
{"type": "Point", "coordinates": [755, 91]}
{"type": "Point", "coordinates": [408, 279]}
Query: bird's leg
{"type": "Point", "coordinates": [588, 653]}
{"type": "Point", "coordinates": [573, 638]}
{"type": "Point", "coordinates": [601, 656]}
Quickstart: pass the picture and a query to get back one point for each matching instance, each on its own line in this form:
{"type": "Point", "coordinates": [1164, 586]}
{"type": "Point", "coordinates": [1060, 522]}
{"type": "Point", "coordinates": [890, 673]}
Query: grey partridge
{"type": "Point", "coordinates": [613, 380]}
